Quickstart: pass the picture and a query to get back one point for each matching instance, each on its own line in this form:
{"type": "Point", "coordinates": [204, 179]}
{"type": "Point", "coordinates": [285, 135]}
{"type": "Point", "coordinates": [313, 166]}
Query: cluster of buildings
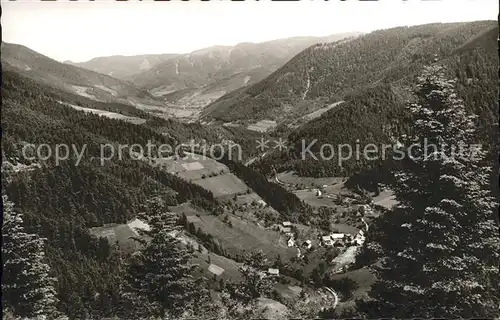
{"type": "Point", "coordinates": [286, 228]}
{"type": "Point", "coordinates": [343, 240]}
{"type": "Point", "coordinates": [363, 209]}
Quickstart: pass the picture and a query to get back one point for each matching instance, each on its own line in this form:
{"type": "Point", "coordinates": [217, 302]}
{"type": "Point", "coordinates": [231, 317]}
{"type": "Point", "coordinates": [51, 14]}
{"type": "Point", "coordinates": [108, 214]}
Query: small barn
{"type": "Point", "coordinates": [215, 269]}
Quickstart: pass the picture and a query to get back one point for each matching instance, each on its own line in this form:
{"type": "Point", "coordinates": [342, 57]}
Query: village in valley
{"type": "Point", "coordinates": [291, 251]}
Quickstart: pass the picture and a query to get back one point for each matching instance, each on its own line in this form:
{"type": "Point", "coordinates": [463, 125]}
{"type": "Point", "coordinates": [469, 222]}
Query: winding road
{"type": "Point", "coordinates": [335, 297]}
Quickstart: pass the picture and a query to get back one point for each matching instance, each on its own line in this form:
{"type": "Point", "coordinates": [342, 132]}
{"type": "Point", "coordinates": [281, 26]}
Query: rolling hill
{"type": "Point", "coordinates": [373, 110]}
{"type": "Point", "coordinates": [326, 73]}
{"type": "Point", "coordinates": [83, 82]}
{"type": "Point", "coordinates": [122, 67]}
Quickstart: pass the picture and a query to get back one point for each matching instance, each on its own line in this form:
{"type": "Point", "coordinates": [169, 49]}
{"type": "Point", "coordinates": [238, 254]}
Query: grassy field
{"type": "Point", "coordinates": [246, 199]}
{"type": "Point", "coordinates": [310, 198]}
{"type": "Point", "coordinates": [291, 177]}
{"type": "Point", "coordinates": [364, 279]}
{"type": "Point", "coordinates": [386, 199]}
{"type": "Point", "coordinates": [223, 185]}
{"type": "Point", "coordinates": [118, 233]}
{"type": "Point", "coordinates": [231, 267]}
{"type": "Point", "coordinates": [319, 112]}
{"type": "Point", "coordinates": [108, 114]}
{"type": "Point", "coordinates": [205, 172]}
{"type": "Point", "coordinates": [195, 164]}
{"type": "Point", "coordinates": [241, 237]}
{"type": "Point", "coordinates": [262, 126]}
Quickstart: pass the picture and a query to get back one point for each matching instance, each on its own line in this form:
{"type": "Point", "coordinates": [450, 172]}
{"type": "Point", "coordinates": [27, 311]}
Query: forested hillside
{"type": "Point", "coordinates": [20, 90]}
{"type": "Point", "coordinates": [70, 78]}
{"type": "Point", "coordinates": [376, 114]}
{"type": "Point", "coordinates": [326, 73]}
{"type": "Point", "coordinates": [436, 267]}
{"type": "Point", "coordinates": [86, 268]}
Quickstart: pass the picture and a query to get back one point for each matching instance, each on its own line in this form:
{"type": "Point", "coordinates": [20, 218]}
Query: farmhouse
{"type": "Point", "coordinates": [291, 242]}
{"type": "Point", "coordinates": [285, 230]}
{"type": "Point", "coordinates": [261, 203]}
{"type": "Point", "coordinates": [273, 272]}
{"type": "Point", "coordinates": [286, 227]}
{"type": "Point", "coordinates": [332, 239]}
{"type": "Point", "coordinates": [317, 192]}
{"type": "Point", "coordinates": [215, 269]}
{"type": "Point", "coordinates": [136, 225]}
{"type": "Point", "coordinates": [359, 240]}
{"type": "Point", "coordinates": [307, 244]}
{"type": "Point", "coordinates": [327, 241]}
{"type": "Point", "coordinates": [122, 234]}
{"type": "Point", "coordinates": [191, 166]}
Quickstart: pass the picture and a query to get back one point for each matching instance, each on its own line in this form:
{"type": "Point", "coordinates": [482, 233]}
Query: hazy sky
{"type": "Point", "coordinates": [82, 30]}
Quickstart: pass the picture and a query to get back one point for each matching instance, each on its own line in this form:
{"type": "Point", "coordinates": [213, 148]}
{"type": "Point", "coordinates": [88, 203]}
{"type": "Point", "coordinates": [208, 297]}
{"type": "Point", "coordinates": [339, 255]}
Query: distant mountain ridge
{"type": "Point", "coordinates": [188, 82]}
{"type": "Point", "coordinates": [87, 83]}
{"type": "Point", "coordinates": [120, 66]}
{"type": "Point", "coordinates": [374, 76]}
{"type": "Point", "coordinates": [193, 80]}
{"type": "Point", "coordinates": [170, 85]}
{"type": "Point", "coordinates": [325, 73]}
{"type": "Point", "coordinates": [206, 65]}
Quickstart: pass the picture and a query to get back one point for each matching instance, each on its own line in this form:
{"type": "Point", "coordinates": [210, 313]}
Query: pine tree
{"type": "Point", "coordinates": [440, 244]}
{"type": "Point", "coordinates": [27, 286]}
{"type": "Point", "coordinates": [255, 283]}
{"type": "Point", "coordinates": [160, 275]}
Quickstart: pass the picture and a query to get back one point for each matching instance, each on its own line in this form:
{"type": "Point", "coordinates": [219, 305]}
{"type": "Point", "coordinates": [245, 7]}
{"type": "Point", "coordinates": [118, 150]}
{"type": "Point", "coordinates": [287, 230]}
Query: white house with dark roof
{"type": "Point", "coordinates": [286, 230]}
{"type": "Point", "coordinates": [326, 241]}
{"type": "Point", "coordinates": [273, 272]}
{"type": "Point", "coordinates": [307, 244]}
